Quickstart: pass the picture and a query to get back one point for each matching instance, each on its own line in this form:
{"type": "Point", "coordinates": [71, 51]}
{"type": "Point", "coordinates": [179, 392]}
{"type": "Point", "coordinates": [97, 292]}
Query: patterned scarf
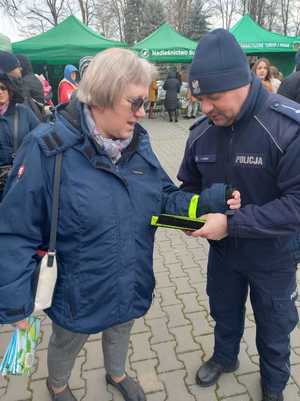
{"type": "Point", "coordinates": [113, 147]}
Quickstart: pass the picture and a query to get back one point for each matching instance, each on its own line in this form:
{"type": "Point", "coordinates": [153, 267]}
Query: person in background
{"type": "Point", "coordinates": [179, 77]}
{"type": "Point", "coordinates": [84, 62]}
{"type": "Point", "coordinates": [261, 69]}
{"type": "Point", "coordinates": [10, 65]}
{"type": "Point", "coordinates": [152, 97]}
{"type": "Point", "coordinates": [276, 78]}
{"type": "Point", "coordinates": [32, 88]}
{"type": "Point", "coordinates": [193, 105]}
{"type": "Point", "coordinates": [16, 121]}
{"type": "Point", "coordinates": [172, 88]}
{"type": "Point", "coordinates": [68, 84]}
{"type": "Point", "coordinates": [47, 90]}
{"type": "Point", "coordinates": [290, 86]}
{"type": "Point", "coordinates": [249, 139]}
{"type": "Point", "coordinates": [111, 185]}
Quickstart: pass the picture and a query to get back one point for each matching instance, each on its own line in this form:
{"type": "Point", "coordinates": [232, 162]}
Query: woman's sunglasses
{"type": "Point", "coordinates": [136, 103]}
{"type": "Point", "coordinates": [3, 88]}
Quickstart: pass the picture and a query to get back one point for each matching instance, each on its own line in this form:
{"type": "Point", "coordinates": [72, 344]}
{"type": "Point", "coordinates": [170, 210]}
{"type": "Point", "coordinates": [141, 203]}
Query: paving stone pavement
{"type": "Point", "coordinates": [170, 342]}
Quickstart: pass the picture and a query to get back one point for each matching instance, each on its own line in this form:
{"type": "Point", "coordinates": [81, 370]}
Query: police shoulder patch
{"type": "Point", "coordinates": [288, 108]}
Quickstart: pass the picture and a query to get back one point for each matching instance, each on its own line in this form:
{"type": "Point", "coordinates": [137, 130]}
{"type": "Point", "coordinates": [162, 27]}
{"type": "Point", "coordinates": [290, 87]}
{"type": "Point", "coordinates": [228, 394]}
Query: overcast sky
{"type": "Point", "coordinates": [8, 27]}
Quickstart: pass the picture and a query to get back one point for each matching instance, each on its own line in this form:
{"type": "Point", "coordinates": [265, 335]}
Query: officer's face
{"type": "Point", "coordinates": [222, 108]}
{"type": "Point", "coordinates": [118, 122]}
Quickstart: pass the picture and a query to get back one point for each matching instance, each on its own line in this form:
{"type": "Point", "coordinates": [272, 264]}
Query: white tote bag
{"type": "Point", "coordinates": [46, 283]}
{"type": "Point", "coordinates": [47, 274]}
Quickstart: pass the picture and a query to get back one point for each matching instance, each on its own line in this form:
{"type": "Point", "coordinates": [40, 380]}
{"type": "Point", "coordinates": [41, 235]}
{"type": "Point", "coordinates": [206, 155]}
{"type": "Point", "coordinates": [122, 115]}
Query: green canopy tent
{"type": "Point", "coordinates": [5, 43]}
{"type": "Point", "coordinates": [66, 43]}
{"type": "Point", "coordinates": [165, 45]}
{"type": "Point", "coordinates": [255, 40]}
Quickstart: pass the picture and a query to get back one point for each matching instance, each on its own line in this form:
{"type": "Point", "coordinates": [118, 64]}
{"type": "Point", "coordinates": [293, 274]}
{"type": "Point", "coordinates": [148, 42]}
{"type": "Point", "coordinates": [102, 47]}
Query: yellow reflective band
{"type": "Point", "coordinates": [193, 207]}
{"type": "Point", "coordinates": [154, 220]}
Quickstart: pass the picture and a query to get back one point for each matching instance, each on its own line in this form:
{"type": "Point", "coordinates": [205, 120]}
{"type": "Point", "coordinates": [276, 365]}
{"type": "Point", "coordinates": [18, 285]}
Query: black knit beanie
{"type": "Point", "coordinates": [8, 61]}
{"type": "Point", "coordinates": [219, 64]}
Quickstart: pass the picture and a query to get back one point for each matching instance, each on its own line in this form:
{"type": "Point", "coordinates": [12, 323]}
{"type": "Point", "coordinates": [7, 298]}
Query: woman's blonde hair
{"type": "Point", "coordinates": [109, 74]}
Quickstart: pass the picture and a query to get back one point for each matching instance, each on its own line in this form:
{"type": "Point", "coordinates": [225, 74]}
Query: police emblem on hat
{"type": "Point", "coordinates": [195, 87]}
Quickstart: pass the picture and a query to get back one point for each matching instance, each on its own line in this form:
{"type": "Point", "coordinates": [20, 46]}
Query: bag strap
{"type": "Point", "coordinates": [54, 211]}
{"type": "Point", "coordinates": [15, 132]}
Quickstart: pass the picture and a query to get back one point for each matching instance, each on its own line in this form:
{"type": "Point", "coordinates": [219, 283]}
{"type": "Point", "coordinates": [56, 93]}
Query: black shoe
{"type": "Point", "coordinates": [176, 121]}
{"type": "Point", "coordinates": [129, 388]}
{"type": "Point", "coordinates": [65, 395]}
{"type": "Point", "coordinates": [193, 117]}
{"type": "Point", "coordinates": [209, 373]}
{"type": "Point", "coordinates": [267, 396]}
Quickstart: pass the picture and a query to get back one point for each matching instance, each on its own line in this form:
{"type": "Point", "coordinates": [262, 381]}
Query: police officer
{"type": "Point", "coordinates": [290, 86]}
{"type": "Point", "coordinates": [249, 139]}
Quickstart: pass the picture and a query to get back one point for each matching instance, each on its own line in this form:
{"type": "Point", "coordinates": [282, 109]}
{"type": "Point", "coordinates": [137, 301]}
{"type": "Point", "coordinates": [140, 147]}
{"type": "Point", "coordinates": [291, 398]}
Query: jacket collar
{"type": "Point", "coordinates": [71, 124]}
{"type": "Point", "coordinates": [256, 98]}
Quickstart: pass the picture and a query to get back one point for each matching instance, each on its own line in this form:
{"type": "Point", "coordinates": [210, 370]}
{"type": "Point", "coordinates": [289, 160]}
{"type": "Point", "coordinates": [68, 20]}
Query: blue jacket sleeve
{"type": "Point", "coordinates": [22, 216]}
{"type": "Point", "coordinates": [281, 216]}
{"type": "Point", "coordinates": [177, 201]}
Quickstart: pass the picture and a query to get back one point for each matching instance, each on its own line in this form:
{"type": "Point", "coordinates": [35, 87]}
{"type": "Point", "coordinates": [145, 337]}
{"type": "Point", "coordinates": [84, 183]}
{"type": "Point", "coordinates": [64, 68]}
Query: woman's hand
{"type": "Point", "coordinates": [235, 201]}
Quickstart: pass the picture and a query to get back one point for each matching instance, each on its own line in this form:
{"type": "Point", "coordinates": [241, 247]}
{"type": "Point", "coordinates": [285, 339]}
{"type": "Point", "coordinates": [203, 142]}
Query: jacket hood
{"type": "Point", "coordinates": [172, 74]}
{"type": "Point", "coordinates": [25, 64]}
{"type": "Point", "coordinates": [68, 71]}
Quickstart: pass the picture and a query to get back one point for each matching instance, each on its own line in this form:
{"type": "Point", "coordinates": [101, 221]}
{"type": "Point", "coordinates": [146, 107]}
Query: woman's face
{"type": "Point", "coordinates": [4, 95]}
{"type": "Point", "coordinates": [262, 70]}
{"type": "Point", "coordinates": [118, 122]}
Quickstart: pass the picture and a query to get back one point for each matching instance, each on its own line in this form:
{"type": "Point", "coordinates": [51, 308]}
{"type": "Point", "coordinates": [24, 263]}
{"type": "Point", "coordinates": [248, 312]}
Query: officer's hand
{"type": "Point", "coordinates": [22, 325]}
{"type": "Point", "coordinates": [235, 201]}
{"type": "Point", "coordinates": [215, 227]}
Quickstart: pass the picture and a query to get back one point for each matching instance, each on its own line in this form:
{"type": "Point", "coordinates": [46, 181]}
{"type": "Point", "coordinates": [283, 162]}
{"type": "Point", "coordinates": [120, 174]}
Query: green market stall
{"type": "Point", "coordinates": [255, 40]}
{"type": "Point", "coordinates": [165, 45]}
{"type": "Point", "coordinates": [64, 44]}
{"type": "Point", "coordinates": [5, 43]}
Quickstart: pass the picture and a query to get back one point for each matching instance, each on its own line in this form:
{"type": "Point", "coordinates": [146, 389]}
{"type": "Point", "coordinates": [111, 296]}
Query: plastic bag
{"type": "Point", "coordinates": [20, 353]}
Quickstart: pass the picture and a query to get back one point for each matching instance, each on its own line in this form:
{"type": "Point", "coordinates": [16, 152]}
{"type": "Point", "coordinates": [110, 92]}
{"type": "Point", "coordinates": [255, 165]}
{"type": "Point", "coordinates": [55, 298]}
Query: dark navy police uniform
{"type": "Point", "coordinates": [260, 156]}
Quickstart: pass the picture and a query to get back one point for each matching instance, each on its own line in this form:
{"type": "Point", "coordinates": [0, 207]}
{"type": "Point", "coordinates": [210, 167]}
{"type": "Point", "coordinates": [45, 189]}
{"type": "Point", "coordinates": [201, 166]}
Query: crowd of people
{"type": "Point", "coordinates": [111, 183]}
{"type": "Point", "coordinates": [179, 100]}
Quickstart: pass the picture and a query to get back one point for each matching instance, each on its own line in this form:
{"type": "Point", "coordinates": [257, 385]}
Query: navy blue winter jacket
{"type": "Point", "coordinates": [27, 122]}
{"type": "Point", "coordinates": [260, 156]}
{"type": "Point", "coordinates": [104, 241]}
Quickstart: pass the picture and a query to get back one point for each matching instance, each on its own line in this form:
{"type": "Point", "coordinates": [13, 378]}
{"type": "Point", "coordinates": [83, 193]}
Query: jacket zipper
{"type": "Point", "coordinates": [229, 156]}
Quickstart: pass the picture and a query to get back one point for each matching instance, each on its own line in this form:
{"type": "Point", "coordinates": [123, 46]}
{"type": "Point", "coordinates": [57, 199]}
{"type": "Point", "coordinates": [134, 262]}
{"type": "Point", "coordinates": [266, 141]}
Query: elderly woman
{"type": "Point", "coordinates": [111, 184]}
{"type": "Point", "coordinates": [16, 120]}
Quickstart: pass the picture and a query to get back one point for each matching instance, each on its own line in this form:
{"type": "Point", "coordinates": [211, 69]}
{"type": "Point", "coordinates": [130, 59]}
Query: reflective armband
{"type": "Point", "coordinates": [193, 207]}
